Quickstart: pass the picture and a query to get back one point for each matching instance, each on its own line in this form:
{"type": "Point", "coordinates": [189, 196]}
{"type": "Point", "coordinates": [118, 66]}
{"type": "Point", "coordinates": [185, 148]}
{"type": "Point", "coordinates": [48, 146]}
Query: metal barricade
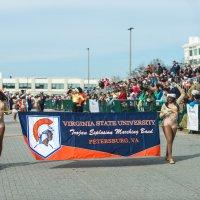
{"type": "Point", "coordinates": [113, 105]}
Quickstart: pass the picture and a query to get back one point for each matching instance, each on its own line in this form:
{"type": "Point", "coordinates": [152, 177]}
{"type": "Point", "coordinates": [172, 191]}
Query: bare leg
{"type": "Point", "coordinates": [174, 130]}
{"type": "Point", "coordinates": [2, 130]}
{"type": "Point", "coordinates": [15, 116]}
{"type": "Point", "coordinates": [169, 137]}
{"type": "Point", "coordinates": [166, 153]}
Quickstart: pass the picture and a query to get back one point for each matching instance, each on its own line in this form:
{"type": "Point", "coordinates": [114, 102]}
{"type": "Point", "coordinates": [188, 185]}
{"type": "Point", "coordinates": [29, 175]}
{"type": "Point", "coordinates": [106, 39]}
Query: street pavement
{"type": "Point", "coordinates": [22, 177]}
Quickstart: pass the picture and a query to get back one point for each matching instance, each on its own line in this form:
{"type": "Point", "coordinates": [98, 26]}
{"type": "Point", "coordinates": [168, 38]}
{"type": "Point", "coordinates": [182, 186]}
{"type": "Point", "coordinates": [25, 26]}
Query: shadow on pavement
{"type": "Point", "coordinates": [112, 163]}
{"type": "Point", "coordinates": [20, 164]}
{"type": "Point", "coordinates": [186, 157]}
{"type": "Point", "coordinates": [125, 162]}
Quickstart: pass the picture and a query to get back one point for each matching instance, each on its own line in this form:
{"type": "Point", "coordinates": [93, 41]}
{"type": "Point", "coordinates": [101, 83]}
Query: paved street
{"type": "Point", "coordinates": [21, 177]}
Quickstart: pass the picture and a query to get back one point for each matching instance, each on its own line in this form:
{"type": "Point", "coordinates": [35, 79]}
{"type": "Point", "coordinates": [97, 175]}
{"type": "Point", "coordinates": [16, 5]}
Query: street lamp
{"type": "Point", "coordinates": [130, 61]}
{"type": "Point", "coordinates": [26, 82]}
{"type": "Point", "coordinates": [88, 69]}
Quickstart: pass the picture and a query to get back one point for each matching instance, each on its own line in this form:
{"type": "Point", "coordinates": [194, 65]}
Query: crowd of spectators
{"type": "Point", "coordinates": [149, 89]}
{"type": "Point", "coordinates": [152, 86]}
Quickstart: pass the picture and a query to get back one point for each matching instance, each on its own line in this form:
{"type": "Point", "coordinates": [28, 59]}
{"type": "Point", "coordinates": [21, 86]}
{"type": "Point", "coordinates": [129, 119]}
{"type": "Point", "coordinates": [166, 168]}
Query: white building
{"type": "Point", "coordinates": [192, 51]}
{"type": "Point", "coordinates": [46, 85]}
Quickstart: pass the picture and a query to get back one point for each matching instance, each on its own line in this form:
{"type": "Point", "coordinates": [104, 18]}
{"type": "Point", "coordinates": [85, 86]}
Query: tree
{"type": "Point", "coordinates": [139, 70]}
{"type": "Point", "coordinates": [116, 79]}
{"type": "Point", "coordinates": [155, 62]}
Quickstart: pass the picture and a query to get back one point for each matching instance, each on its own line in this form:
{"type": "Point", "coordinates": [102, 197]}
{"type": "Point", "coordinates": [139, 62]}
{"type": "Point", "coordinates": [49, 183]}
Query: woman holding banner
{"type": "Point", "coordinates": [3, 98]}
{"type": "Point", "coordinates": [169, 114]}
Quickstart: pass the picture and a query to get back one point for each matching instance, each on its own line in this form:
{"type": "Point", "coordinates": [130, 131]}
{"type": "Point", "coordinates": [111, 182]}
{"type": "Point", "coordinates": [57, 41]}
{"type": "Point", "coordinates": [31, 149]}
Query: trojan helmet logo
{"type": "Point", "coordinates": [47, 135]}
{"type": "Point", "coordinates": [44, 134]}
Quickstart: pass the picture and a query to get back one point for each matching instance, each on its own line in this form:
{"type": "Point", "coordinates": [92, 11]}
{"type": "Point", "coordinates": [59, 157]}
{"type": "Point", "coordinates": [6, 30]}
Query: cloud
{"type": "Point", "coordinates": [59, 31]}
{"type": "Point", "coordinates": [6, 57]}
{"type": "Point", "coordinates": [14, 5]}
{"type": "Point", "coordinates": [31, 4]}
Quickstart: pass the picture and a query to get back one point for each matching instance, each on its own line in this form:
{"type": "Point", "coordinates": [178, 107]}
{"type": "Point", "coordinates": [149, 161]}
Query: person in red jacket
{"type": "Point", "coordinates": [122, 94]}
{"type": "Point", "coordinates": [135, 88]}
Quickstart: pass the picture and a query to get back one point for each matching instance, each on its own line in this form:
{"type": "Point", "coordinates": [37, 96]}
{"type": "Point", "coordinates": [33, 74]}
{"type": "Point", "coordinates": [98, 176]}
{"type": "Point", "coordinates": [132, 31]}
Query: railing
{"type": "Point", "coordinates": [112, 106]}
{"type": "Point", "coordinates": [106, 107]}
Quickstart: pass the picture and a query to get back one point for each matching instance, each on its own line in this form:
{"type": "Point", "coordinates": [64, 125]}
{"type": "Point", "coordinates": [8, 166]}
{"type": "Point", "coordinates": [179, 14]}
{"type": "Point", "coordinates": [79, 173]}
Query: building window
{"type": "Point", "coordinates": [73, 85]}
{"type": "Point", "coordinates": [24, 85]}
{"type": "Point", "coordinates": [195, 52]}
{"type": "Point", "coordinates": [41, 86]}
{"type": "Point", "coordinates": [190, 52]}
{"type": "Point", "coordinates": [57, 86]}
{"type": "Point", "coordinates": [9, 85]}
{"type": "Point", "coordinates": [90, 86]}
{"type": "Point", "coordinates": [195, 61]}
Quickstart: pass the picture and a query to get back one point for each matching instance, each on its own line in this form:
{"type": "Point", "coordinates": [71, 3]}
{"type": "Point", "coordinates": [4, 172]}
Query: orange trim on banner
{"type": "Point", "coordinates": [153, 151]}
{"type": "Point", "coordinates": [70, 153]}
{"type": "Point", "coordinates": [73, 153]}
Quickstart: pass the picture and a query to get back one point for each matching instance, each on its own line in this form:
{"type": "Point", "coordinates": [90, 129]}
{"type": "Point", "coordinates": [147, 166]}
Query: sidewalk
{"type": "Point", "coordinates": [21, 177]}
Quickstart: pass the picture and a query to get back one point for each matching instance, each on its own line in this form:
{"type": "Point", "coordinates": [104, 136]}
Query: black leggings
{"type": "Point", "coordinates": [77, 108]}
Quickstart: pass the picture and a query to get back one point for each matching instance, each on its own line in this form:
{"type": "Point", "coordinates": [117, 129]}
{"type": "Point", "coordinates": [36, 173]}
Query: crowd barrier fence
{"type": "Point", "coordinates": [105, 107]}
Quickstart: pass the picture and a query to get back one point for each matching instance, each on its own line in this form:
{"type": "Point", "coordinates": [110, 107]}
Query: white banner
{"type": "Point", "coordinates": [93, 106]}
{"type": "Point", "coordinates": [193, 117]}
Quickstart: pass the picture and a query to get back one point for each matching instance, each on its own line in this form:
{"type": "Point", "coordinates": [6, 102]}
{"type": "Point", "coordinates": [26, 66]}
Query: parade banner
{"type": "Point", "coordinates": [193, 117]}
{"type": "Point", "coordinates": [67, 136]}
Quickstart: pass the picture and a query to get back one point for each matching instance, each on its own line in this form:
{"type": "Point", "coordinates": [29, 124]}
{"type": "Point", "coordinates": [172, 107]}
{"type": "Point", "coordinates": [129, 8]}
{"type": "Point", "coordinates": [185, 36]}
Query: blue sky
{"type": "Point", "coordinates": [49, 38]}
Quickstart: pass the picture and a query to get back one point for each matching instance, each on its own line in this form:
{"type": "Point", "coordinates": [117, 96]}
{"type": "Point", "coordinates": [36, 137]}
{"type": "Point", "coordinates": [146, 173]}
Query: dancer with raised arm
{"type": "Point", "coordinates": [169, 114]}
